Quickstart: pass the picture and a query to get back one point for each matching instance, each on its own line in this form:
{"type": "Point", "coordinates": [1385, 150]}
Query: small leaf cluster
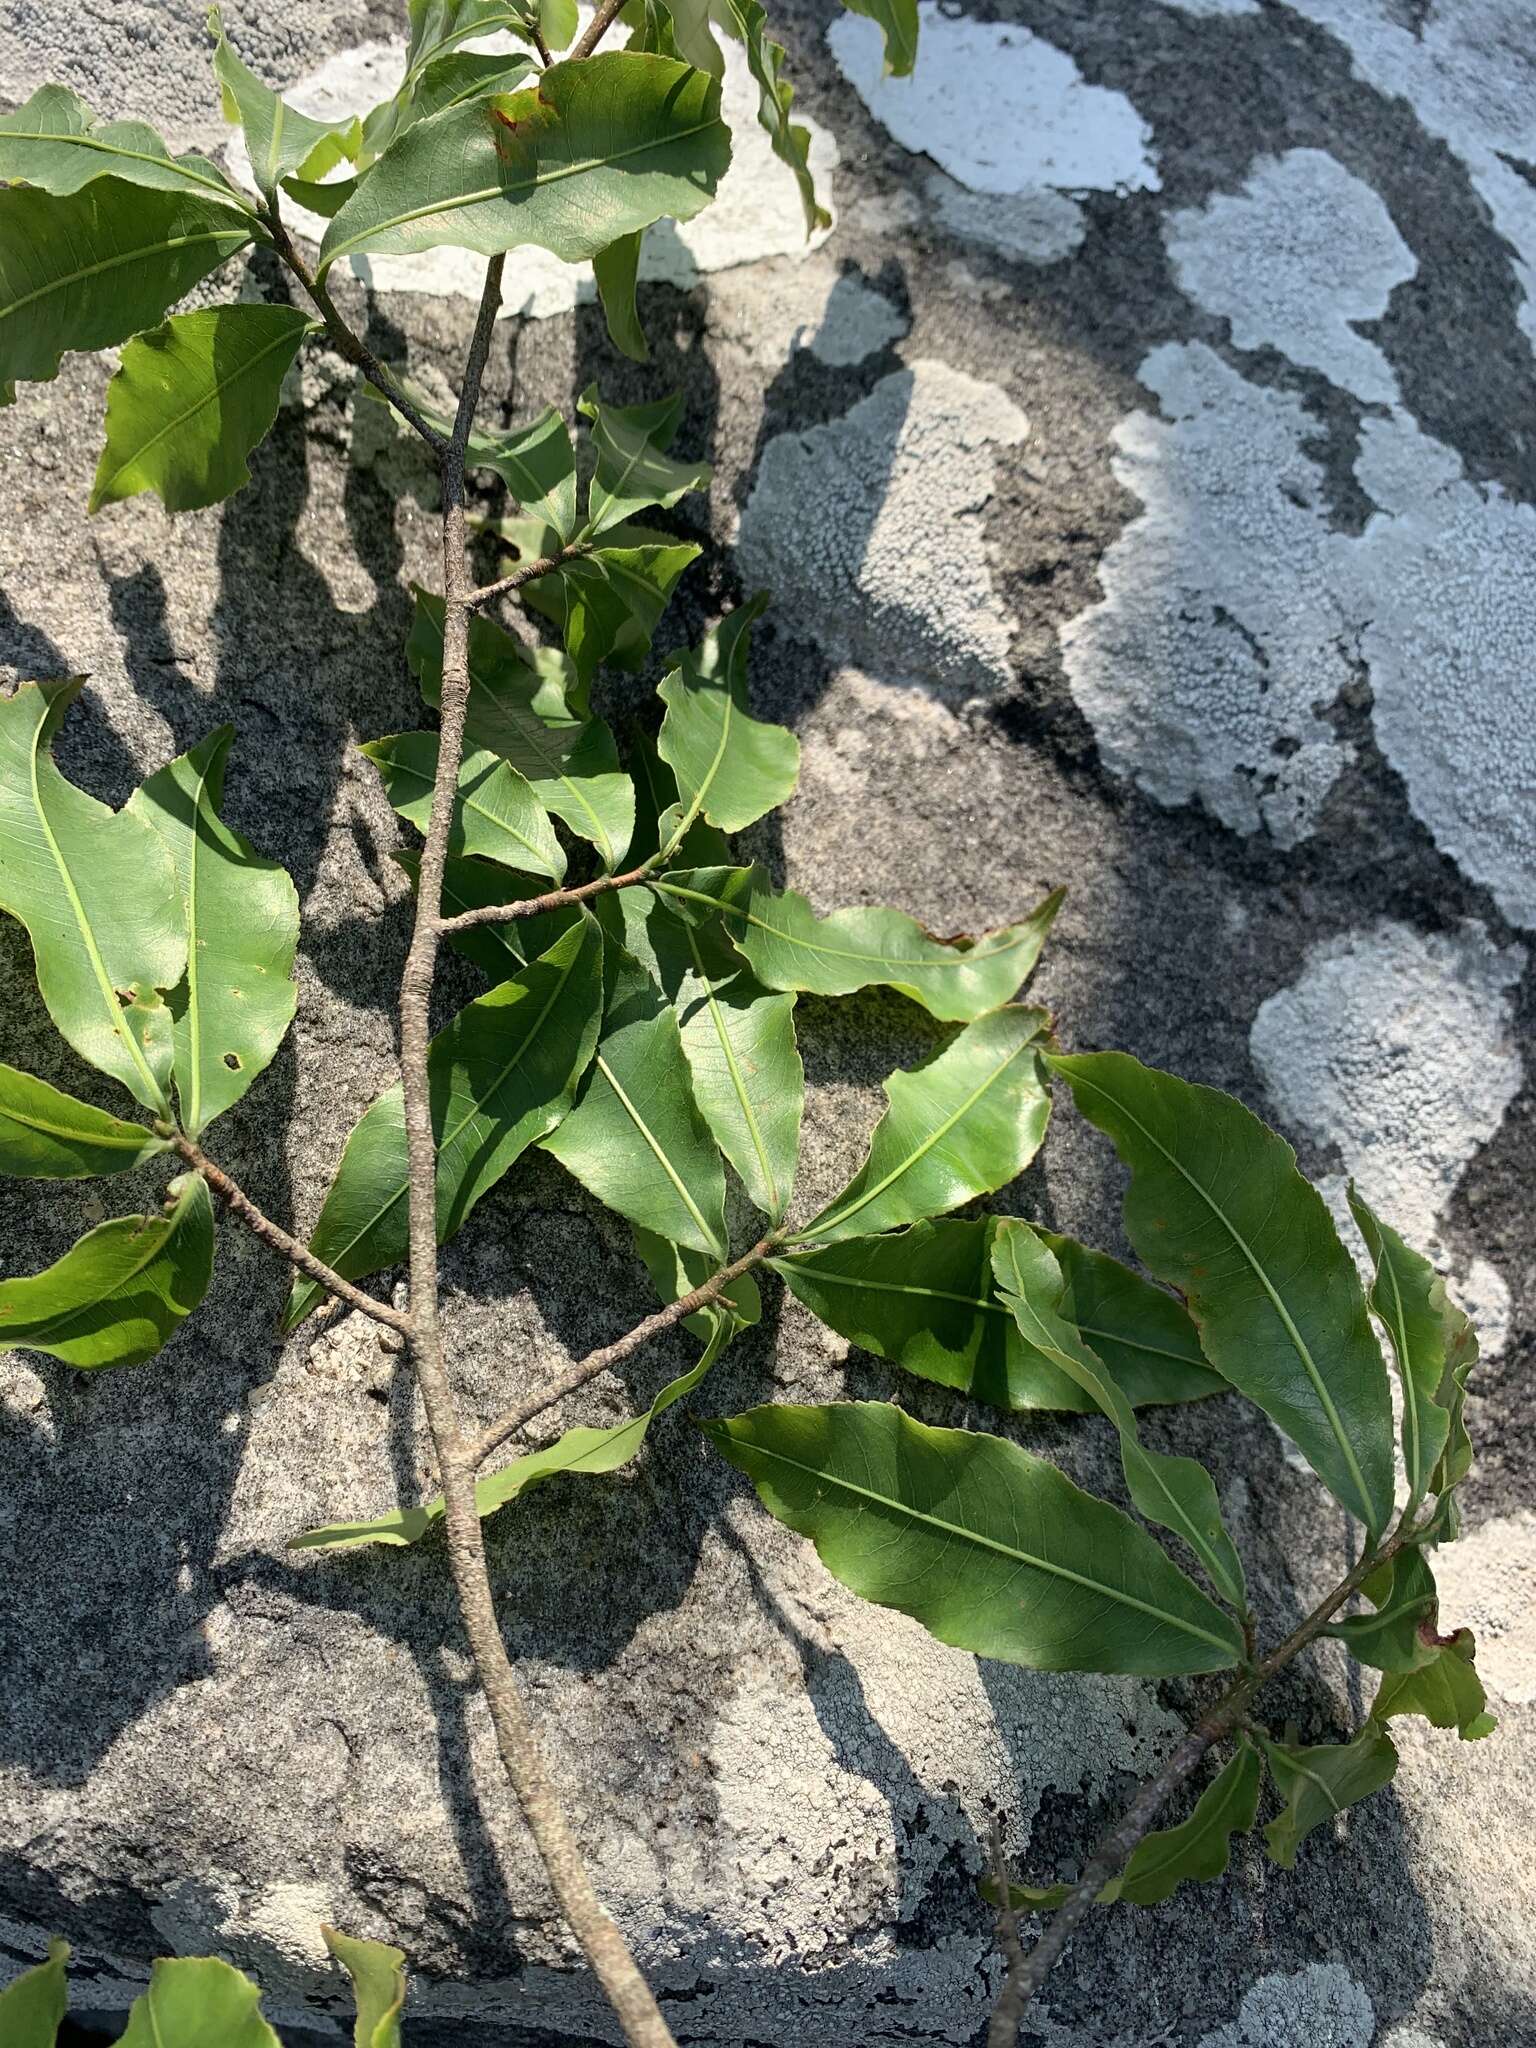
{"type": "Point", "coordinates": [104, 229]}
{"type": "Point", "coordinates": [203, 2002]}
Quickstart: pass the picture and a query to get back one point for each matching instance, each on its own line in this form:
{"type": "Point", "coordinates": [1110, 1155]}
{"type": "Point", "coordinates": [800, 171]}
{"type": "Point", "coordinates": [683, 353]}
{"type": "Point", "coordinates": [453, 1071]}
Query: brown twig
{"type": "Point", "coordinates": [1228, 1714]}
{"type": "Point", "coordinates": [511, 1420]}
{"type": "Point", "coordinates": [239, 1204]}
{"type": "Point", "coordinates": [1003, 2030]}
{"type": "Point", "coordinates": [348, 343]}
{"type": "Point", "coordinates": [601, 1942]}
{"type": "Point", "coordinates": [527, 572]}
{"type": "Point", "coordinates": [597, 28]}
{"type": "Point", "coordinates": [535, 906]}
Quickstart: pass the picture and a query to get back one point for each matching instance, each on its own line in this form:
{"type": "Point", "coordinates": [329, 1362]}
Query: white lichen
{"type": "Point", "coordinates": [1320, 2007]}
{"type": "Point", "coordinates": [1220, 640]}
{"type": "Point", "coordinates": [870, 531]}
{"type": "Point", "coordinates": [1292, 261]}
{"type": "Point", "coordinates": [1396, 1048]}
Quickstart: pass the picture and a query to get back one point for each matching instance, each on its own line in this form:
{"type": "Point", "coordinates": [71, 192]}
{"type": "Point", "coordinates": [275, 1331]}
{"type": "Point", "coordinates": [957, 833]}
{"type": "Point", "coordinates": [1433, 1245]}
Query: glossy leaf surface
{"type": "Point", "coordinates": [1409, 1300]}
{"type": "Point", "coordinates": [616, 270]}
{"type": "Point", "coordinates": [56, 143]}
{"type": "Point", "coordinates": [237, 999]}
{"type": "Point", "coordinates": [789, 947]}
{"type": "Point", "coordinates": [636, 1139]}
{"type": "Point", "coordinates": [1320, 1782]}
{"type": "Point", "coordinates": [569, 760]}
{"type": "Point", "coordinates": [502, 1075]}
{"type": "Point", "coordinates": [748, 22]}
{"type": "Point", "coordinates": [496, 816]}
{"type": "Point", "coordinates": [634, 471]}
{"type": "Point", "coordinates": [48, 1135]}
{"type": "Point", "coordinates": [993, 1550]}
{"type": "Point", "coordinates": [1144, 1336]}
{"type": "Point", "coordinates": [1393, 1638]}
{"type": "Point", "coordinates": [190, 401]}
{"type": "Point", "coordinates": [730, 768]}
{"type": "Point", "coordinates": [1217, 1209]}
{"type": "Point", "coordinates": [32, 2008]}
{"type": "Point", "coordinates": [89, 270]}
{"type": "Point", "coordinates": [600, 148]}
{"type": "Point", "coordinates": [118, 1294]}
{"type": "Point", "coordinates": [1174, 1493]}
{"type": "Point", "coordinates": [193, 2001]}
{"type": "Point", "coordinates": [280, 140]}
{"type": "Point", "coordinates": [377, 1971]}
{"type": "Point", "coordinates": [1446, 1691]}
{"type": "Point", "coordinates": [964, 1124]}
{"type": "Point", "coordinates": [97, 893]}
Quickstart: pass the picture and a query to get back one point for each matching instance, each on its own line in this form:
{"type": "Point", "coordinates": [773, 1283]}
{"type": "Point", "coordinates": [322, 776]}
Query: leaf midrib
{"type": "Point", "coordinates": [83, 925]}
{"type": "Point", "coordinates": [159, 1231]}
{"type": "Point", "coordinates": [76, 1134]}
{"type": "Point", "coordinates": [517, 194]}
{"type": "Point", "coordinates": [952, 1529]}
{"type": "Point", "coordinates": [119, 262]}
{"type": "Point", "coordinates": [1023, 934]}
{"type": "Point", "coordinates": [142, 156]}
{"type": "Point", "coordinates": [208, 398]}
{"type": "Point", "coordinates": [717, 1018]}
{"type": "Point", "coordinates": [1298, 1342]}
{"type": "Point", "coordinates": [640, 1124]}
{"type": "Point", "coordinates": [838, 1217]}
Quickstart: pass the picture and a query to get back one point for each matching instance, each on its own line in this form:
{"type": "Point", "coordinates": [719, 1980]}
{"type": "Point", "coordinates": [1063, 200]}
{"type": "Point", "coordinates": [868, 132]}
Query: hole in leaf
{"type": "Point", "coordinates": [232, 1061]}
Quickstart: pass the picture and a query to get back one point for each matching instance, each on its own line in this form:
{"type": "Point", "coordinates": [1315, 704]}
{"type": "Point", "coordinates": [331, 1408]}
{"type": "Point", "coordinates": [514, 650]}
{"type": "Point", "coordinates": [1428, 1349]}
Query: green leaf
{"type": "Point", "coordinates": [90, 269]}
{"type": "Point", "coordinates": [281, 141]}
{"type": "Point", "coordinates": [498, 950]}
{"type": "Point", "coordinates": [119, 1293]}
{"type": "Point", "coordinates": [191, 400]}
{"type": "Point", "coordinates": [1198, 1849]}
{"type": "Point", "coordinates": [536, 462]}
{"type": "Point", "coordinates": [598, 149]}
{"type": "Point", "coordinates": [327, 200]}
{"type": "Point", "coordinates": [57, 144]}
{"type": "Point", "coordinates": [634, 470]}
{"type": "Point", "coordinates": [438, 26]}
{"type": "Point", "coordinates": [1455, 1461]}
{"type": "Point", "coordinates": [1320, 1782]}
{"type": "Point", "coordinates": [238, 996]}
{"type": "Point", "coordinates": [193, 2001]}
{"type": "Point", "coordinates": [991, 1549]}
{"type": "Point", "coordinates": [739, 1041]}
{"type": "Point", "coordinates": [33, 2008]}
{"type": "Point", "coordinates": [1402, 1592]}
{"type": "Point", "coordinates": [463, 75]}
{"type": "Point", "coordinates": [897, 20]}
{"type": "Point", "coordinates": [1171, 1492]}
{"type": "Point", "coordinates": [730, 767]}
{"type": "Point", "coordinates": [789, 947]}
{"type": "Point", "coordinates": [570, 763]}
{"type": "Point", "coordinates": [378, 1979]}
{"type": "Point", "coordinates": [558, 22]}
{"type": "Point", "coordinates": [502, 1075]}
{"type": "Point", "coordinates": [1446, 1691]}
{"type": "Point", "coordinates": [1218, 1210]}
{"type": "Point", "coordinates": [47, 1135]}
{"type": "Point", "coordinates": [693, 38]}
{"type": "Point", "coordinates": [608, 604]}
{"type": "Point", "coordinates": [636, 1139]}
{"type": "Point", "coordinates": [97, 894]}
{"type": "Point", "coordinates": [925, 1299]}
{"type": "Point", "coordinates": [965, 1123]}
{"type": "Point", "coordinates": [495, 813]}
{"type": "Point", "coordinates": [748, 22]}
{"type": "Point", "coordinates": [655, 794]}
{"type": "Point", "coordinates": [1141, 1333]}
{"type": "Point", "coordinates": [1409, 1301]}
{"type": "Point", "coordinates": [616, 270]}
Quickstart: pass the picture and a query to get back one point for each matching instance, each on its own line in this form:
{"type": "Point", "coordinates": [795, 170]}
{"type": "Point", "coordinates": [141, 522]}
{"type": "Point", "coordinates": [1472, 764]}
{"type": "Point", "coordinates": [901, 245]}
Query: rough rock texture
{"type": "Point", "coordinates": [1234, 636]}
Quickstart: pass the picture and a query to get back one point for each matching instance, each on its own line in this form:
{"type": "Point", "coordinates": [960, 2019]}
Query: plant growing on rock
{"type": "Point", "coordinates": [639, 1017]}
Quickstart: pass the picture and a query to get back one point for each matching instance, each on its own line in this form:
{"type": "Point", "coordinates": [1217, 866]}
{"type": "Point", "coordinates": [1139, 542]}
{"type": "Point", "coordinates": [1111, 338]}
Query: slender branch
{"type": "Point", "coordinates": [1003, 2030]}
{"type": "Point", "coordinates": [526, 572]}
{"type": "Point", "coordinates": [605, 1948]}
{"type": "Point", "coordinates": [495, 1434]}
{"type": "Point", "coordinates": [1228, 1714]}
{"type": "Point", "coordinates": [597, 28]}
{"type": "Point", "coordinates": [535, 906]}
{"type": "Point", "coordinates": [348, 343]}
{"type": "Point", "coordinates": [239, 1204]}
